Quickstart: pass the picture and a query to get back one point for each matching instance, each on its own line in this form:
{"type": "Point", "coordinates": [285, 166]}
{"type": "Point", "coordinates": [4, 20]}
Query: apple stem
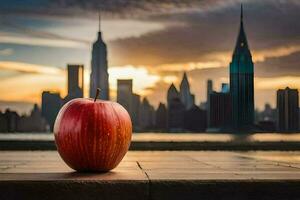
{"type": "Point", "coordinates": [97, 94]}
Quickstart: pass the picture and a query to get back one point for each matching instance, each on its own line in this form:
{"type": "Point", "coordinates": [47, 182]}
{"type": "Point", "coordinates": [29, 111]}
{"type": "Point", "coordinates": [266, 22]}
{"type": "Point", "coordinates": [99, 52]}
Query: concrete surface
{"type": "Point", "coordinates": [154, 175]}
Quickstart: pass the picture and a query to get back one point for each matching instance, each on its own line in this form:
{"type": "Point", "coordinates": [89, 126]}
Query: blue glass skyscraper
{"type": "Point", "coordinates": [242, 83]}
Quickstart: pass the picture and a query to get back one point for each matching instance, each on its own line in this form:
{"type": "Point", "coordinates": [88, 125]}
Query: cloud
{"type": "Point", "coordinates": [6, 52]}
{"type": "Point", "coordinates": [193, 36]}
{"type": "Point", "coordinates": [279, 66]}
{"type": "Point", "coordinates": [112, 8]}
{"type": "Point", "coordinates": [262, 55]}
{"type": "Point", "coordinates": [27, 68]}
{"type": "Point", "coordinates": [197, 36]}
{"type": "Point", "coordinates": [28, 87]}
{"type": "Point", "coordinates": [120, 8]}
{"type": "Point", "coordinates": [142, 78]}
{"type": "Point", "coordinates": [20, 106]}
{"type": "Point", "coordinates": [34, 41]}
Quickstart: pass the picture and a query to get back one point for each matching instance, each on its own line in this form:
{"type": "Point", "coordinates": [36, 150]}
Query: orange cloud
{"type": "Point", "coordinates": [30, 68]}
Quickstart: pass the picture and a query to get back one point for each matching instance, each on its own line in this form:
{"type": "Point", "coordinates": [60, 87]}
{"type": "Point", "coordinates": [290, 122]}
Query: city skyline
{"type": "Point", "coordinates": [154, 78]}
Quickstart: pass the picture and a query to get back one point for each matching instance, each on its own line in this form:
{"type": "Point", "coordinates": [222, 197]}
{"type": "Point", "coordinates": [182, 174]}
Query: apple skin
{"type": "Point", "coordinates": [92, 136]}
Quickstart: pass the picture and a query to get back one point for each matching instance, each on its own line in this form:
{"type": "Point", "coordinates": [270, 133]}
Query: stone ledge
{"type": "Point", "coordinates": [82, 190]}
{"type": "Point", "coordinates": [225, 190]}
{"type": "Point", "coordinates": [154, 175]}
{"type": "Point", "coordinates": [157, 190]}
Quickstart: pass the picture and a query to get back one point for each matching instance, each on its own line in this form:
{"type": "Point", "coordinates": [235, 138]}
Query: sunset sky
{"type": "Point", "coordinates": [152, 42]}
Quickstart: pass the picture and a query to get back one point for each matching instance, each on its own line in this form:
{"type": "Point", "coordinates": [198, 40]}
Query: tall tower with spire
{"type": "Point", "coordinates": [185, 94]}
{"type": "Point", "coordinates": [99, 74]}
{"type": "Point", "coordinates": [242, 83]}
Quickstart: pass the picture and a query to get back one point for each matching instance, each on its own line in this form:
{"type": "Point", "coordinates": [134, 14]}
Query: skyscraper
{"type": "Point", "coordinates": [75, 82]}
{"type": "Point", "coordinates": [220, 110]}
{"type": "Point", "coordinates": [161, 117]}
{"type": "Point", "coordinates": [242, 83]}
{"type": "Point", "coordinates": [32, 123]}
{"type": "Point", "coordinates": [51, 104]}
{"type": "Point", "coordinates": [195, 119]}
{"type": "Point", "coordinates": [135, 110]}
{"type": "Point", "coordinates": [209, 90]}
{"type": "Point", "coordinates": [147, 115]}
{"type": "Point", "coordinates": [99, 74]}
{"type": "Point", "coordinates": [185, 94]}
{"type": "Point", "coordinates": [124, 93]}
{"type": "Point", "coordinates": [175, 110]}
{"type": "Point", "coordinates": [287, 109]}
{"type": "Point", "coordinates": [129, 100]}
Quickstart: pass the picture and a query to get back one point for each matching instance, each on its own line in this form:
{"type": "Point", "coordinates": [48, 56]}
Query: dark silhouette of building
{"type": "Point", "coordinates": [161, 115]}
{"type": "Point", "coordinates": [124, 93]}
{"type": "Point", "coordinates": [242, 83]}
{"type": "Point", "coordinates": [3, 123]}
{"type": "Point", "coordinates": [75, 82]}
{"type": "Point", "coordinates": [267, 126]}
{"type": "Point", "coordinates": [51, 104]}
{"type": "Point", "coordinates": [195, 119]}
{"type": "Point", "coordinates": [135, 111]}
{"type": "Point", "coordinates": [268, 114]}
{"type": "Point", "coordinates": [129, 100]}
{"type": "Point", "coordinates": [185, 94]}
{"type": "Point", "coordinates": [225, 88]}
{"type": "Point", "coordinates": [99, 74]}
{"type": "Point", "coordinates": [147, 115]}
{"type": "Point", "coordinates": [175, 110]}
{"type": "Point", "coordinates": [9, 121]}
{"type": "Point", "coordinates": [220, 111]}
{"type": "Point", "coordinates": [209, 90]}
{"type": "Point", "coordinates": [32, 123]}
{"type": "Point", "coordinates": [287, 110]}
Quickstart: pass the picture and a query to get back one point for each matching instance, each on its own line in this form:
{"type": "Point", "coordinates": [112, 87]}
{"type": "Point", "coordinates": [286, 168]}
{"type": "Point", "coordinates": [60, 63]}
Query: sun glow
{"type": "Point", "coordinates": [30, 80]}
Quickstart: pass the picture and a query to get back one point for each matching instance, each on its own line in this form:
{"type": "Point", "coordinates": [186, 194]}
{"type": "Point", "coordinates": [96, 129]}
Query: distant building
{"type": "Point", "coordinates": [220, 111]}
{"type": "Point", "coordinates": [225, 88]}
{"type": "Point", "coordinates": [209, 90]}
{"type": "Point", "coordinates": [161, 116]}
{"type": "Point", "coordinates": [124, 93]}
{"type": "Point", "coordinates": [195, 119]}
{"type": "Point", "coordinates": [267, 126]}
{"type": "Point", "coordinates": [147, 115]}
{"type": "Point", "coordinates": [186, 97]}
{"type": "Point", "coordinates": [129, 100]}
{"type": "Point", "coordinates": [175, 110]}
{"type": "Point", "coordinates": [51, 104]}
{"type": "Point", "coordinates": [75, 82]}
{"type": "Point", "coordinates": [135, 110]}
{"type": "Point", "coordinates": [99, 74]}
{"type": "Point", "coordinates": [242, 83]}
{"type": "Point", "coordinates": [268, 114]}
{"type": "Point", "coordinates": [9, 121]}
{"type": "Point", "coordinates": [203, 106]}
{"type": "Point", "coordinates": [3, 123]}
{"type": "Point", "coordinates": [32, 123]}
{"type": "Point", "coordinates": [287, 110]}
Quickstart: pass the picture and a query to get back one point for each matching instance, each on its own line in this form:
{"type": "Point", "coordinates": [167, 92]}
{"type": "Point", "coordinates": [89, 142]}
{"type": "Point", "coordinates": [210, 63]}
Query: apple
{"type": "Point", "coordinates": [92, 134]}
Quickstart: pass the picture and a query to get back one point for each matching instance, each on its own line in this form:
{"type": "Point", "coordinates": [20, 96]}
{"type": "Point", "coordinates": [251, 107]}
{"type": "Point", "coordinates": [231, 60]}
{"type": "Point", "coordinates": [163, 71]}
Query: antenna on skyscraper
{"type": "Point", "coordinates": [99, 13]}
{"type": "Point", "coordinates": [241, 12]}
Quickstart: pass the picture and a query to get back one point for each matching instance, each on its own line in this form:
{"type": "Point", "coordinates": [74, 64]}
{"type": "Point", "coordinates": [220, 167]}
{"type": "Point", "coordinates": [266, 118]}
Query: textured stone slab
{"type": "Point", "coordinates": [154, 175]}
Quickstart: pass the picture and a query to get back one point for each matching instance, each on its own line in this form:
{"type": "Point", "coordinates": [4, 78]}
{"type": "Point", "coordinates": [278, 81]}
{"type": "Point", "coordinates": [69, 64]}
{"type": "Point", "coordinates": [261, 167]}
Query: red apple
{"type": "Point", "coordinates": [92, 135]}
